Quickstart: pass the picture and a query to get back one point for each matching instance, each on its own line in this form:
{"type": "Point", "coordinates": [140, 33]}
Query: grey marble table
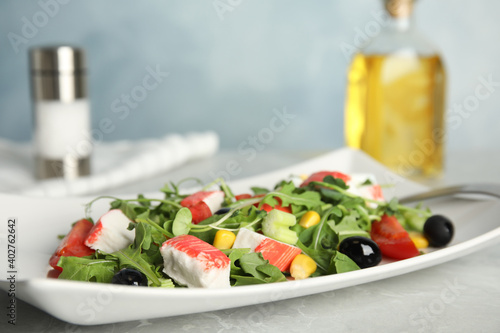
{"type": "Point", "coordinates": [462, 295]}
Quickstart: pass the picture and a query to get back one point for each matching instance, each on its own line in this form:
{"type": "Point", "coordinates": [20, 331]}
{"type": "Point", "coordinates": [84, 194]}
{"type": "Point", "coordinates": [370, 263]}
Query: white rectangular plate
{"type": "Point", "coordinates": [41, 220]}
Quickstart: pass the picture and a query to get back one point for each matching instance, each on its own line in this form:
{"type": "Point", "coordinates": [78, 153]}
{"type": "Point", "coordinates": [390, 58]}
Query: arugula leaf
{"type": "Point", "coordinates": [249, 263]}
{"type": "Point", "coordinates": [85, 269]}
{"type": "Point", "coordinates": [348, 227]}
{"type": "Point", "coordinates": [329, 195]}
{"type": "Point", "coordinates": [234, 255]}
{"type": "Point", "coordinates": [351, 203]}
{"type": "Point", "coordinates": [340, 263]}
{"type": "Point", "coordinates": [157, 232]}
{"type": "Point", "coordinates": [130, 209]}
{"type": "Point", "coordinates": [259, 190]}
{"type": "Point", "coordinates": [335, 181]}
{"type": "Point", "coordinates": [132, 256]}
{"type": "Point", "coordinates": [143, 201]}
{"type": "Point", "coordinates": [320, 232]}
{"type": "Point", "coordinates": [288, 196]}
{"type": "Point", "coordinates": [252, 268]}
{"type": "Point", "coordinates": [166, 283]}
{"type": "Point", "coordinates": [321, 256]}
{"type": "Point", "coordinates": [151, 240]}
{"type": "Point", "coordinates": [169, 191]}
{"type": "Point", "coordinates": [392, 207]}
{"type": "Point", "coordinates": [367, 182]}
{"type": "Point", "coordinates": [336, 211]}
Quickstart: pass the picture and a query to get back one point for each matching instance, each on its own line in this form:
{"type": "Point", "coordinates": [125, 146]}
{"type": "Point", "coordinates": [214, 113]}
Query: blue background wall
{"type": "Point", "coordinates": [228, 70]}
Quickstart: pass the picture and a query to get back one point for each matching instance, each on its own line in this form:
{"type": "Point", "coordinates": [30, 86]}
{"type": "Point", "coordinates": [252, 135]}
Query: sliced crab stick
{"type": "Point", "coordinates": [110, 233]}
{"type": "Point", "coordinates": [200, 212]}
{"type": "Point", "coordinates": [73, 244]}
{"type": "Point", "coordinates": [318, 177]}
{"type": "Point", "coordinates": [195, 263]}
{"type": "Point", "coordinates": [365, 186]}
{"type": "Point", "coordinates": [203, 204]}
{"type": "Point", "coordinates": [279, 254]}
{"type": "Point", "coordinates": [357, 183]}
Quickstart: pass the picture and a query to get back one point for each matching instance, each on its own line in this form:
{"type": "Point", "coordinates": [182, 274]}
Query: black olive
{"type": "Point", "coordinates": [438, 230]}
{"type": "Point", "coordinates": [222, 211]}
{"type": "Point", "coordinates": [363, 251]}
{"type": "Point", "coordinates": [130, 277]}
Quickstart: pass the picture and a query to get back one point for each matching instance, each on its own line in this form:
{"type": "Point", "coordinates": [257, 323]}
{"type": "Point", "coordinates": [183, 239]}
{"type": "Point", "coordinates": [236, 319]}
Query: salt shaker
{"type": "Point", "coordinates": [61, 108]}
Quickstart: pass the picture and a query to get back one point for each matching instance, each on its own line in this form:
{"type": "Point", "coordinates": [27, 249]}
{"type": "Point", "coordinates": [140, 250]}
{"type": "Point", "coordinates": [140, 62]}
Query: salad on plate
{"type": "Point", "coordinates": [321, 224]}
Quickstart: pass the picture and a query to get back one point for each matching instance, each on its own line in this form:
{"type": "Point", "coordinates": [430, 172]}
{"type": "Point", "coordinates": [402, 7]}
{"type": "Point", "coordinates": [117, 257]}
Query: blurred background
{"type": "Point", "coordinates": [235, 65]}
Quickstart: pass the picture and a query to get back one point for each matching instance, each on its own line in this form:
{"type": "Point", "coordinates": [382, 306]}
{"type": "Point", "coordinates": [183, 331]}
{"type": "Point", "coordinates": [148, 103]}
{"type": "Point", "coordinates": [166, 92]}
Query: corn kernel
{"type": "Point", "coordinates": [419, 240]}
{"type": "Point", "coordinates": [304, 176]}
{"type": "Point", "coordinates": [302, 267]}
{"type": "Point", "coordinates": [224, 239]}
{"type": "Point", "coordinates": [309, 219]}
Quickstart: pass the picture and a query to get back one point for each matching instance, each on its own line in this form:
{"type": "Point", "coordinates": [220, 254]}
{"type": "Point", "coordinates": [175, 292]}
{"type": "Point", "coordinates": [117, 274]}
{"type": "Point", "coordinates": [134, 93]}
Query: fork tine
{"type": "Point", "coordinates": [486, 189]}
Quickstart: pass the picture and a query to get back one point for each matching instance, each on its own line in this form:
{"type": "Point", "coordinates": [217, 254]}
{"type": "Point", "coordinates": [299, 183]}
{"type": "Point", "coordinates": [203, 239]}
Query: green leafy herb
{"type": "Point", "coordinates": [367, 182]}
{"type": "Point", "coordinates": [259, 190]}
{"type": "Point", "coordinates": [132, 256]}
{"type": "Point", "coordinates": [182, 222]}
{"type": "Point", "coordinates": [349, 226]}
{"type": "Point", "coordinates": [341, 263]}
{"type": "Point", "coordinates": [290, 196]}
{"type": "Point", "coordinates": [85, 269]}
{"type": "Point", "coordinates": [255, 270]}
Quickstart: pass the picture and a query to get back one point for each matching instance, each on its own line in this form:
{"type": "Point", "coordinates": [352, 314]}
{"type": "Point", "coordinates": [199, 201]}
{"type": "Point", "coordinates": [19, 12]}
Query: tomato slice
{"type": "Point", "coordinates": [319, 176]}
{"type": "Point", "coordinates": [269, 208]}
{"type": "Point", "coordinates": [53, 273]}
{"type": "Point", "coordinates": [392, 239]}
{"type": "Point", "coordinates": [73, 244]}
{"type": "Point", "coordinates": [242, 196]}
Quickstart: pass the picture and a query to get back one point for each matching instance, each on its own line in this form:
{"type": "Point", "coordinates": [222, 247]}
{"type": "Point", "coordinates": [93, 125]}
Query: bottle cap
{"type": "Point", "coordinates": [58, 73]}
{"type": "Point", "coordinates": [399, 8]}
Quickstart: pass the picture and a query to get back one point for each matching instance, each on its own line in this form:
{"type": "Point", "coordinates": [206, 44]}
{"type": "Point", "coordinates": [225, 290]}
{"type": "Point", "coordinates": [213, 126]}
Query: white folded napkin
{"type": "Point", "coordinates": [114, 164]}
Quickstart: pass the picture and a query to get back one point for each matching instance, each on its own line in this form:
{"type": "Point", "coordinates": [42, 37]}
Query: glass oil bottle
{"type": "Point", "coordinates": [395, 98]}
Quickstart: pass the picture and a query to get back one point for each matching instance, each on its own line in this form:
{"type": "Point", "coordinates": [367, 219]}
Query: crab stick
{"type": "Point", "coordinates": [365, 186]}
{"type": "Point", "coordinates": [110, 233]}
{"type": "Point", "coordinates": [203, 204]}
{"type": "Point", "coordinates": [279, 254]}
{"type": "Point", "coordinates": [195, 263]}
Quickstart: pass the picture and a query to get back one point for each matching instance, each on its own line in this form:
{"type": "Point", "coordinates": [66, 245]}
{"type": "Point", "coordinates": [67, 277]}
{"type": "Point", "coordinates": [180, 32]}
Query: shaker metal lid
{"type": "Point", "coordinates": [58, 73]}
{"type": "Point", "coordinates": [57, 59]}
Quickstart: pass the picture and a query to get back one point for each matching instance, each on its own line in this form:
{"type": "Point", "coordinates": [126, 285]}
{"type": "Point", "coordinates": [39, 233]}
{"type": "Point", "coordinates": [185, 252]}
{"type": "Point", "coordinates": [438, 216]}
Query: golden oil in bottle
{"type": "Point", "coordinates": [395, 110]}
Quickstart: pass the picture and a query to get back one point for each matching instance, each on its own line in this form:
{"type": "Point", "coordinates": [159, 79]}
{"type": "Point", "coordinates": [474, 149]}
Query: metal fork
{"type": "Point", "coordinates": [481, 188]}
